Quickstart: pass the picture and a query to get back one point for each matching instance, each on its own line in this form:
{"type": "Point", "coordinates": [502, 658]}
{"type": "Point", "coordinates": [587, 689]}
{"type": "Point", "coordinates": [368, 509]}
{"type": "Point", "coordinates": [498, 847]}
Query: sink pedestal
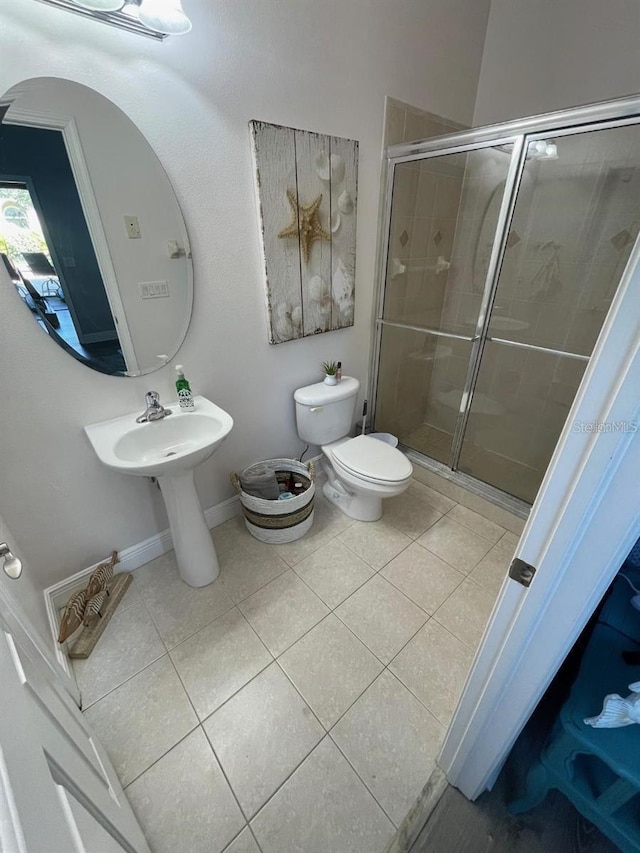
{"type": "Point", "coordinates": [195, 554]}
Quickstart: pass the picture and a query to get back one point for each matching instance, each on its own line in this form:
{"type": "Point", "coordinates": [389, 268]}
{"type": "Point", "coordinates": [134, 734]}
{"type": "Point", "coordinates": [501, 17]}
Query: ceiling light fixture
{"type": "Point", "coordinates": [155, 19]}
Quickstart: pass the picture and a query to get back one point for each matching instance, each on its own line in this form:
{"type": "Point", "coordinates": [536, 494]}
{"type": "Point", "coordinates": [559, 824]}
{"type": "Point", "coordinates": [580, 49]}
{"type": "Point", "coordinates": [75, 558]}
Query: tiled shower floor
{"type": "Point", "coordinates": [298, 703]}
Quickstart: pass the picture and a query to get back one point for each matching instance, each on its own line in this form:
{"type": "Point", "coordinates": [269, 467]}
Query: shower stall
{"type": "Point", "coordinates": [501, 251]}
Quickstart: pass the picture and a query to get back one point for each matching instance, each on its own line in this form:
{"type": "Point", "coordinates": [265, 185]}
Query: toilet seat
{"type": "Point", "coordinates": [372, 460]}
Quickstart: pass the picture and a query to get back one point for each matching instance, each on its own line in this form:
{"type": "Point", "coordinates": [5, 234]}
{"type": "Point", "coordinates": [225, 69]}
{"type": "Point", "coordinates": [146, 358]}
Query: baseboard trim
{"type": "Point", "coordinates": [57, 595]}
{"type": "Point", "coordinates": [419, 813]}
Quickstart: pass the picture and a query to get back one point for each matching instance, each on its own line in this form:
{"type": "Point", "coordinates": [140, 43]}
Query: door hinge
{"type": "Point", "coordinates": [521, 572]}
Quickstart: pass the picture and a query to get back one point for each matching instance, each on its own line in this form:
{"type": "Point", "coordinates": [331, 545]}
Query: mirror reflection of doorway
{"type": "Point", "coordinates": [47, 248]}
{"type": "Point", "coordinates": [503, 260]}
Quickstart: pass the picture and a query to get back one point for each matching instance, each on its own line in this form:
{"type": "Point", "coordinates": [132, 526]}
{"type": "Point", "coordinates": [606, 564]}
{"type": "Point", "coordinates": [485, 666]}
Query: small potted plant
{"type": "Point", "coordinates": [330, 372]}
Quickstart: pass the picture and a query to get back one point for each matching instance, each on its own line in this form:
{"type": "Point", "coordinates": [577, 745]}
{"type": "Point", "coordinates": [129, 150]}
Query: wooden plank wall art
{"type": "Point", "coordinates": [307, 190]}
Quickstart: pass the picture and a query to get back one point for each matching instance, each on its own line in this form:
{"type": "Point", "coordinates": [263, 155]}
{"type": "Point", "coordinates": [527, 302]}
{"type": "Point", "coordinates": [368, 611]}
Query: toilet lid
{"type": "Point", "coordinates": [373, 459]}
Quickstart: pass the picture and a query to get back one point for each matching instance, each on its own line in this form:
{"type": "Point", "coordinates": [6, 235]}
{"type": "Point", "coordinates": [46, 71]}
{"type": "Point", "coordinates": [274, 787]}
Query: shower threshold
{"type": "Point", "coordinates": [483, 490]}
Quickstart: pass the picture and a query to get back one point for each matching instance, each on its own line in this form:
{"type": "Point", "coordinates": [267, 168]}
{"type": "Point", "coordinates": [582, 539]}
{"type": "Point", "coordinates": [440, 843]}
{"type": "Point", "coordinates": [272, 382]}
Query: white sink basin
{"type": "Point", "coordinates": [170, 449]}
{"type": "Point", "coordinates": [178, 442]}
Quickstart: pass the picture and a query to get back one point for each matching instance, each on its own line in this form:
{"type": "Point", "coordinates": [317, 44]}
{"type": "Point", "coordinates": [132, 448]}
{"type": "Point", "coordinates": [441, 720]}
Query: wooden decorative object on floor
{"type": "Point", "coordinates": [86, 642]}
{"type": "Point", "coordinates": [73, 615]}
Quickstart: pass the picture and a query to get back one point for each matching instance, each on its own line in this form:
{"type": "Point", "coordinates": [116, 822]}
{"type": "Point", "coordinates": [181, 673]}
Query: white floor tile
{"type": "Point", "coordinates": [437, 500]}
{"type": "Point", "coordinates": [184, 803]}
{"type": "Point", "coordinates": [421, 576]}
{"type": "Point", "coordinates": [509, 542]}
{"type": "Point", "coordinates": [328, 523]}
{"type": "Point", "coordinates": [217, 661]}
{"type": "Point", "coordinates": [248, 566]}
{"type": "Point", "coordinates": [323, 808]}
{"type": "Point", "coordinates": [261, 735]}
{"type": "Point", "coordinates": [331, 668]}
{"type": "Point", "coordinates": [434, 666]}
{"type": "Point", "coordinates": [230, 534]}
{"type": "Point", "coordinates": [492, 569]}
{"type": "Point", "coordinates": [466, 612]}
{"type": "Point", "coordinates": [283, 611]}
{"type": "Point", "coordinates": [392, 741]}
{"type": "Point", "coordinates": [382, 617]}
{"type": "Point", "coordinates": [374, 542]}
{"type": "Point", "coordinates": [244, 843]}
{"type": "Point", "coordinates": [177, 609]}
{"type": "Point", "coordinates": [129, 643]}
{"type": "Point", "coordinates": [476, 522]}
{"type": "Point", "coordinates": [455, 544]}
{"type": "Point", "coordinates": [411, 515]}
{"type": "Point", "coordinates": [333, 572]}
{"type": "Point", "coordinates": [142, 719]}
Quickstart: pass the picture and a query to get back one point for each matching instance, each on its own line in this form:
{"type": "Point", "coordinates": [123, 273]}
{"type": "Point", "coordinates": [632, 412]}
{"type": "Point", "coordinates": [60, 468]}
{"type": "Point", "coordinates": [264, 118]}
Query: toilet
{"type": "Point", "coordinates": [361, 471]}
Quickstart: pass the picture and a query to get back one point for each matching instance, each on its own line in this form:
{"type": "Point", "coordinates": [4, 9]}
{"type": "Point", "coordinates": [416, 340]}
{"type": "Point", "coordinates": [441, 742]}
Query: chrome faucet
{"type": "Point", "coordinates": [155, 411]}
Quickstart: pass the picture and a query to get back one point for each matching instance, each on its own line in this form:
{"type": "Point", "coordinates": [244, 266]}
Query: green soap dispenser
{"type": "Point", "coordinates": [185, 397]}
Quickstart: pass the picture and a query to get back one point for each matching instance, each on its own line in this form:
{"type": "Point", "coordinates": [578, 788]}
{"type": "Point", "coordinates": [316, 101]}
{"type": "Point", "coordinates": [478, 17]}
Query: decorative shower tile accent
{"type": "Point", "coordinates": [434, 665]}
{"type": "Point", "coordinates": [391, 740]}
{"type": "Point", "coordinates": [283, 611]}
{"type": "Point", "coordinates": [323, 807]}
{"type": "Point", "coordinates": [421, 576]}
{"type": "Point", "coordinates": [330, 667]}
{"type": "Point", "coordinates": [437, 238]}
{"type": "Point", "coordinates": [143, 718]}
{"type": "Point", "coordinates": [513, 239]}
{"type": "Point", "coordinates": [381, 617]}
{"type": "Point", "coordinates": [217, 661]}
{"type": "Point", "coordinates": [261, 735]}
{"type": "Point", "coordinates": [404, 239]}
{"type": "Point", "coordinates": [184, 803]}
{"type": "Point", "coordinates": [621, 239]}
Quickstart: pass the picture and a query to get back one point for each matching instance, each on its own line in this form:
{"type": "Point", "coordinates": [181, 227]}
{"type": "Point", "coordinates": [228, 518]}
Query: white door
{"type": "Point", "coordinates": [58, 791]}
{"type": "Point", "coordinates": [583, 524]}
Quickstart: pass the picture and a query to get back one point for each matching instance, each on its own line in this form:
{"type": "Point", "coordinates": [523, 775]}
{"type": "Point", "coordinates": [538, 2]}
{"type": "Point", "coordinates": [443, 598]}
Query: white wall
{"type": "Point", "coordinates": [544, 55]}
{"type": "Point", "coordinates": [26, 589]}
{"type": "Point", "coordinates": [126, 179]}
{"type": "Point", "coordinates": [321, 66]}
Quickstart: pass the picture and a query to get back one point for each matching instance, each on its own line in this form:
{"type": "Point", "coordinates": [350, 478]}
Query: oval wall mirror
{"type": "Point", "coordinates": [91, 233]}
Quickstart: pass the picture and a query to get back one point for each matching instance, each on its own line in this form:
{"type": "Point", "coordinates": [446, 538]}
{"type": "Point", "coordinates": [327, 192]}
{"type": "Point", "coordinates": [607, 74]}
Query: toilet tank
{"type": "Point", "coordinates": [324, 413]}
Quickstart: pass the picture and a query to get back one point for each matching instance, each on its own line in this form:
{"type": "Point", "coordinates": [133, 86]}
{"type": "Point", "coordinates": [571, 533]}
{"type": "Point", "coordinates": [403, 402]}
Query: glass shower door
{"type": "Point", "coordinates": [576, 218]}
{"type": "Point", "coordinates": [444, 215]}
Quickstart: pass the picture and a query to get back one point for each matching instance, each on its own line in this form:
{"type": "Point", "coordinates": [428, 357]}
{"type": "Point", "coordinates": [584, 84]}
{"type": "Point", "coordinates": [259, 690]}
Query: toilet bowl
{"type": "Point", "coordinates": [361, 471]}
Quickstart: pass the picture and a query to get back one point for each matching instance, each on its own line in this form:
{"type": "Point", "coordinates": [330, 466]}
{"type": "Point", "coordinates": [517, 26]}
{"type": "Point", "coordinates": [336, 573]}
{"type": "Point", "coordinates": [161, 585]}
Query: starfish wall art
{"type": "Point", "coordinates": [306, 192]}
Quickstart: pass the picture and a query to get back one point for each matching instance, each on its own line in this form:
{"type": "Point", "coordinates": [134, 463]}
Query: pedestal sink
{"type": "Point", "coordinates": [170, 449]}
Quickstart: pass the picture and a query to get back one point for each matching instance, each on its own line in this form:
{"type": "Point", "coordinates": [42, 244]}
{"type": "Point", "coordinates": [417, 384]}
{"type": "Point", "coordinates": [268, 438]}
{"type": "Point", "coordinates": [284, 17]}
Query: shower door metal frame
{"type": "Point", "coordinates": [621, 112]}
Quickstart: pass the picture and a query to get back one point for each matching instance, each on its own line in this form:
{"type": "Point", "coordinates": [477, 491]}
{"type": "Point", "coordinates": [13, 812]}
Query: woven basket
{"type": "Point", "coordinates": [276, 522]}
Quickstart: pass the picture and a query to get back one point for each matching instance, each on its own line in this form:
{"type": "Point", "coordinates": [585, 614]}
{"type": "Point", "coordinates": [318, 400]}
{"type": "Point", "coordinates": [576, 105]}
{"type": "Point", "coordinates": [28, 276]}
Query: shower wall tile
{"type": "Point", "coordinates": [394, 120]}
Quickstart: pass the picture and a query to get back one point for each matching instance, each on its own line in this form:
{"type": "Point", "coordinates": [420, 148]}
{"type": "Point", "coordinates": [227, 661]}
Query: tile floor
{"type": "Point", "coordinates": [299, 702]}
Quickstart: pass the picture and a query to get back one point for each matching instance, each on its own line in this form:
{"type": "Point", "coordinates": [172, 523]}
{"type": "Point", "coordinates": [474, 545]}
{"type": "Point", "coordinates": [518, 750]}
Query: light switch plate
{"type": "Point", "coordinates": [133, 227]}
{"type": "Point", "coordinates": [153, 289]}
